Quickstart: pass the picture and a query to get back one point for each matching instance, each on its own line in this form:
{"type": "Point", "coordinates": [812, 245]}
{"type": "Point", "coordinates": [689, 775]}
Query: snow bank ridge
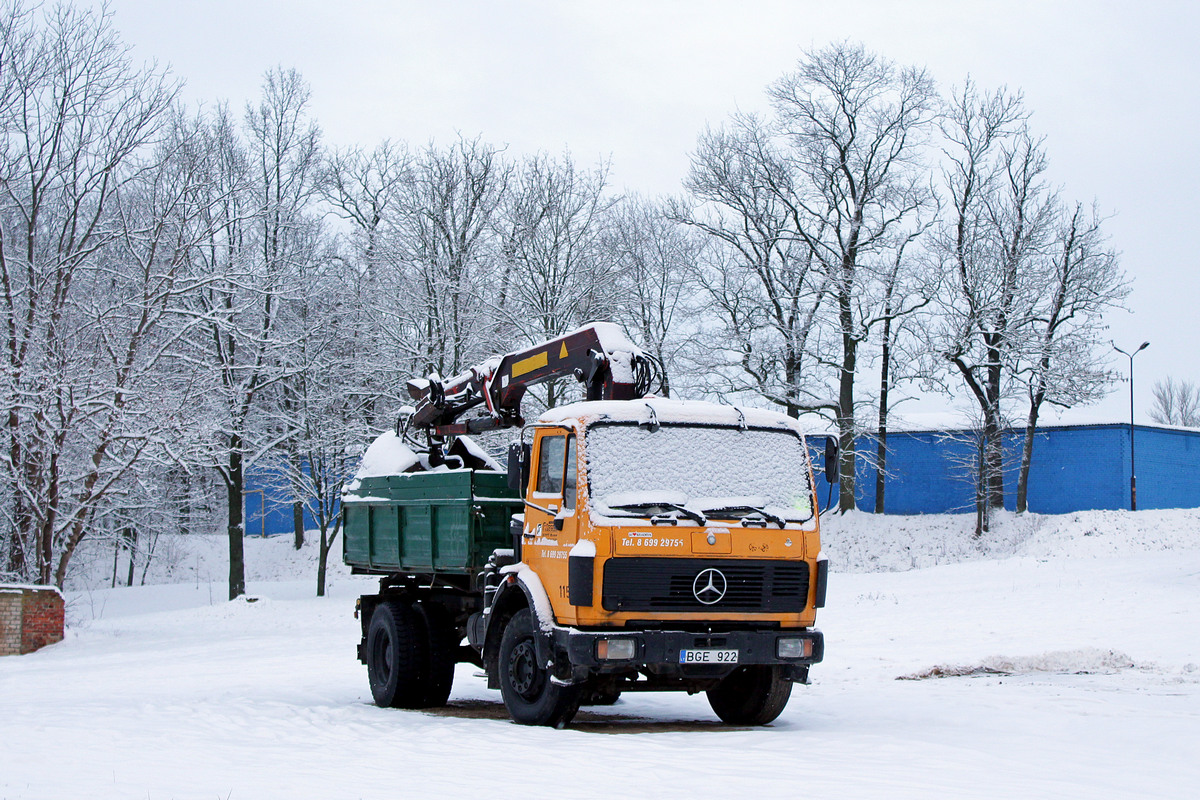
{"type": "Point", "coordinates": [1085, 661]}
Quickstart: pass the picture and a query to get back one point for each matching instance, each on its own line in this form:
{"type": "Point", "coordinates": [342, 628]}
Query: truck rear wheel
{"type": "Point", "coordinates": [397, 653]}
{"type": "Point", "coordinates": [441, 646]}
{"type": "Point", "coordinates": [751, 695]}
{"type": "Point", "coordinates": [531, 697]}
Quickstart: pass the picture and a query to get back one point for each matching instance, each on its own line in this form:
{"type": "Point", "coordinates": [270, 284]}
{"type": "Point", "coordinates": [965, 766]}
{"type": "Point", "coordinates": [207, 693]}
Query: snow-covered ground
{"type": "Point", "coordinates": [1058, 660]}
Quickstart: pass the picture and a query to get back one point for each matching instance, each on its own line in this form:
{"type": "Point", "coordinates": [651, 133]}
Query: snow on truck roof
{"type": "Point", "coordinates": [694, 412]}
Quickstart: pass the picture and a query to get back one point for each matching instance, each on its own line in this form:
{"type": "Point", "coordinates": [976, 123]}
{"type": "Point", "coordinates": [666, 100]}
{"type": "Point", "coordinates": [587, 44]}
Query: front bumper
{"type": "Point", "coordinates": [655, 649]}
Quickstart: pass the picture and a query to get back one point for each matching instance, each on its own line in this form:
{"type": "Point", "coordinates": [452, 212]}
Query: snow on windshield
{"type": "Point", "coordinates": [700, 467]}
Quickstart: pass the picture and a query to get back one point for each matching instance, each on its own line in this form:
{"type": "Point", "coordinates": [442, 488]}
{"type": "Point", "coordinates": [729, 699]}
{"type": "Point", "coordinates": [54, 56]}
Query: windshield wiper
{"type": "Point", "coordinates": [747, 511]}
{"type": "Point", "coordinates": [694, 516]}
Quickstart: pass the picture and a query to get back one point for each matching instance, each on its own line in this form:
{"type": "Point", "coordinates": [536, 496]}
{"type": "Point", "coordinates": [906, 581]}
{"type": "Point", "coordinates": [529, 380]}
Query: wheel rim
{"type": "Point", "coordinates": [524, 675]}
{"type": "Point", "coordinates": [384, 657]}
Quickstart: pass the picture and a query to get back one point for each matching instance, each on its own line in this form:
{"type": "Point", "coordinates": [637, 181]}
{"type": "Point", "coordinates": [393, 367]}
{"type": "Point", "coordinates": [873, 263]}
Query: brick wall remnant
{"type": "Point", "coordinates": [31, 617]}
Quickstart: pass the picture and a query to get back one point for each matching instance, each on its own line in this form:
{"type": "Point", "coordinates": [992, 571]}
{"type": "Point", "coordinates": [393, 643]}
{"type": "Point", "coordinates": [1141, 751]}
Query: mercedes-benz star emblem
{"type": "Point", "coordinates": [709, 586]}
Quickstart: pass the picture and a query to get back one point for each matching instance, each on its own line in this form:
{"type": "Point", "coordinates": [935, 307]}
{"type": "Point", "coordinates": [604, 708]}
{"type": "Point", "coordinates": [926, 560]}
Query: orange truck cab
{"type": "Point", "coordinates": [663, 545]}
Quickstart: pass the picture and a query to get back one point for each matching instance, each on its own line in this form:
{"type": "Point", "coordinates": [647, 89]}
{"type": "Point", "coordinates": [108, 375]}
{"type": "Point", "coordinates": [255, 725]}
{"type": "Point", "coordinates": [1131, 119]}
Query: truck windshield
{"type": "Point", "coordinates": [720, 473]}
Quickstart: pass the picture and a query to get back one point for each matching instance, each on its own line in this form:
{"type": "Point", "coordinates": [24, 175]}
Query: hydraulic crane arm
{"type": "Point", "coordinates": [599, 355]}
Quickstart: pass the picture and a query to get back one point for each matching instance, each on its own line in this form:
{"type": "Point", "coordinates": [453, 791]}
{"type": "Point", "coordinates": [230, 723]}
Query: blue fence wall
{"type": "Point", "coordinates": [268, 509]}
{"type": "Point", "coordinates": [1074, 468]}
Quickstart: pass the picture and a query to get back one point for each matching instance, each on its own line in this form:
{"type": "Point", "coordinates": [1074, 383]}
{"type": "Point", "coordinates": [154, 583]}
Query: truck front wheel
{"type": "Point", "coordinates": [396, 655]}
{"type": "Point", "coordinates": [751, 695]}
{"type": "Point", "coordinates": [531, 697]}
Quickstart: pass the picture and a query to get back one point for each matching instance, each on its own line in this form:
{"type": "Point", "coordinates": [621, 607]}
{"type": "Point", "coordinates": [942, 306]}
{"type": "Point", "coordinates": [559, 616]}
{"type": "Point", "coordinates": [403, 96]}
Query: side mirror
{"type": "Point", "coordinates": [831, 459]}
{"type": "Point", "coordinates": [518, 466]}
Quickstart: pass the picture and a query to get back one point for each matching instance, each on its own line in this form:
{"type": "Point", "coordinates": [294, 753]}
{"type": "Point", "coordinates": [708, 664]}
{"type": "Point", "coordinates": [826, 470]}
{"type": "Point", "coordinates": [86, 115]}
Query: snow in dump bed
{"type": "Point", "coordinates": [387, 455]}
{"type": "Point", "coordinates": [475, 449]}
{"type": "Point", "coordinates": [665, 411]}
{"type": "Point", "coordinates": [702, 468]}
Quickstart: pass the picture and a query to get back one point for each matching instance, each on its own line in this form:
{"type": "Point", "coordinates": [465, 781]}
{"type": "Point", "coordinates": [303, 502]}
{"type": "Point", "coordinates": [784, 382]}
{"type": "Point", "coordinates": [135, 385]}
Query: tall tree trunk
{"type": "Point", "coordinates": [1026, 460]}
{"type": "Point", "coordinates": [981, 507]}
{"type": "Point", "coordinates": [322, 564]}
{"type": "Point", "coordinates": [884, 379]}
{"type": "Point", "coordinates": [131, 537]}
{"type": "Point", "coordinates": [298, 524]}
{"type": "Point", "coordinates": [993, 438]}
{"type": "Point", "coordinates": [845, 419]}
{"type": "Point", "coordinates": [22, 518]}
{"type": "Point", "coordinates": [327, 540]}
{"type": "Point", "coordinates": [234, 498]}
{"type": "Point", "coordinates": [1035, 407]}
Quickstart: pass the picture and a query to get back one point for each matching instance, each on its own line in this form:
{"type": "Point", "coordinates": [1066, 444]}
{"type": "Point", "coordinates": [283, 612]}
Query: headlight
{"type": "Point", "coordinates": [793, 648]}
{"type": "Point", "coordinates": [616, 649]}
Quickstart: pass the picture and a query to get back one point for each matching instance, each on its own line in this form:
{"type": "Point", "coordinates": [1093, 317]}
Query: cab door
{"type": "Point", "coordinates": [554, 488]}
{"type": "Point", "coordinates": [551, 522]}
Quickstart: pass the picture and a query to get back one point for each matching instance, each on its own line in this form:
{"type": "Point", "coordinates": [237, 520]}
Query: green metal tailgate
{"type": "Point", "coordinates": [448, 522]}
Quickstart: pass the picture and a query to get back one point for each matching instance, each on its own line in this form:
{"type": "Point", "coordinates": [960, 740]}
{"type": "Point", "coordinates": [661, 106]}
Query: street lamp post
{"type": "Point", "coordinates": [1132, 475]}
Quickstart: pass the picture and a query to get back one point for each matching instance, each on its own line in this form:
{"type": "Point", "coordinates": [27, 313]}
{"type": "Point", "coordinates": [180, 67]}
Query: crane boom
{"type": "Point", "coordinates": [598, 355]}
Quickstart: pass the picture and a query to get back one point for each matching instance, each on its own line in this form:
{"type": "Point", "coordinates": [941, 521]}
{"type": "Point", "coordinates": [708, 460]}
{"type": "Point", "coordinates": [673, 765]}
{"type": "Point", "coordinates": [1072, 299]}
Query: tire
{"type": "Point", "coordinates": [441, 647]}
{"type": "Point", "coordinates": [751, 695]}
{"type": "Point", "coordinates": [397, 654]}
{"type": "Point", "coordinates": [529, 694]}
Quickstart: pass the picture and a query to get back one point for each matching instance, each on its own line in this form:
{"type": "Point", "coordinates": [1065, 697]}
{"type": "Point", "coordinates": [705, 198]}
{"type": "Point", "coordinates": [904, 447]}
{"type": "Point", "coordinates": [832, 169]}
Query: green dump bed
{"type": "Point", "coordinates": [427, 522]}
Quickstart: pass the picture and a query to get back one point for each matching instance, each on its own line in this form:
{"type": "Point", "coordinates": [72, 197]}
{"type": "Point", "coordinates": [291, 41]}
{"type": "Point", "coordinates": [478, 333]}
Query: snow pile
{"type": "Point", "coordinates": [861, 542]}
{"type": "Point", "coordinates": [476, 450]}
{"type": "Point", "coordinates": [387, 455]}
{"type": "Point", "coordinates": [1083, 661]}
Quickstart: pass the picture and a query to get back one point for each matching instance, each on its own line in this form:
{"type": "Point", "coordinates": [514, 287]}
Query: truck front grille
{"type": "Point", "coordinates": [684, 584]}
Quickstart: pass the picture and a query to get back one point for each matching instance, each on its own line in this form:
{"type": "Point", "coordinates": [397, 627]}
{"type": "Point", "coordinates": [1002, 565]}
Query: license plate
{"type": "Point", "coordinates": [708, 656]}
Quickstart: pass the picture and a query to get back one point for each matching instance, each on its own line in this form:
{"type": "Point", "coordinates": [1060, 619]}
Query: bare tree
{"type": "Point", "coordinates": [446, 246]}
{"type": "Point", "coordinates": [763, 281]}
{"type": "Point", "coordinates": [257, 231]}
{"type": "Point", "coordinates": [367, 190]}
{"type": "Point", "coordinates": [1000, 219]}
{"type": "Point", "coordinates": [1075, 283]}
{"type": "Point", "coordinates": [1176, 403]}
{"type": "Point", "coordinates": [856, 124]}
{"type": "Point", "coordinates": [324, 411]}
{"type": "Point", "coordinates": [233, 335]}
{"type": "Point", "coordinates": [555, 275]}
{"type": "Point", "coordinates": [655, 258]}
{"type": "Point", "coordinates": [85, 279]}
{"type": "Point", "coordinates": [906, 291]}
{"type": "Point", "coordinates": [285, 143]}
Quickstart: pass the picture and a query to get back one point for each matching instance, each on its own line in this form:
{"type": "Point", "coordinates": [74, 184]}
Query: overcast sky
{"type": "Point", "coordinates": [1113, 87]}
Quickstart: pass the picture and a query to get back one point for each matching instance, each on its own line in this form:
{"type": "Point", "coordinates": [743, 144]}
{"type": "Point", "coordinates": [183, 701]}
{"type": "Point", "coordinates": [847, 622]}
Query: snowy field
{"type": "Point", "coordinates": [1060, 660]}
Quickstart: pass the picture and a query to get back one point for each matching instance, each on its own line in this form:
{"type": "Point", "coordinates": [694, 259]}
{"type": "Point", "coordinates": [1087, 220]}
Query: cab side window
{"type": "Point", "coordinates": [572, 476]}
{"type": "Point", "coordinates": [550, 465]}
